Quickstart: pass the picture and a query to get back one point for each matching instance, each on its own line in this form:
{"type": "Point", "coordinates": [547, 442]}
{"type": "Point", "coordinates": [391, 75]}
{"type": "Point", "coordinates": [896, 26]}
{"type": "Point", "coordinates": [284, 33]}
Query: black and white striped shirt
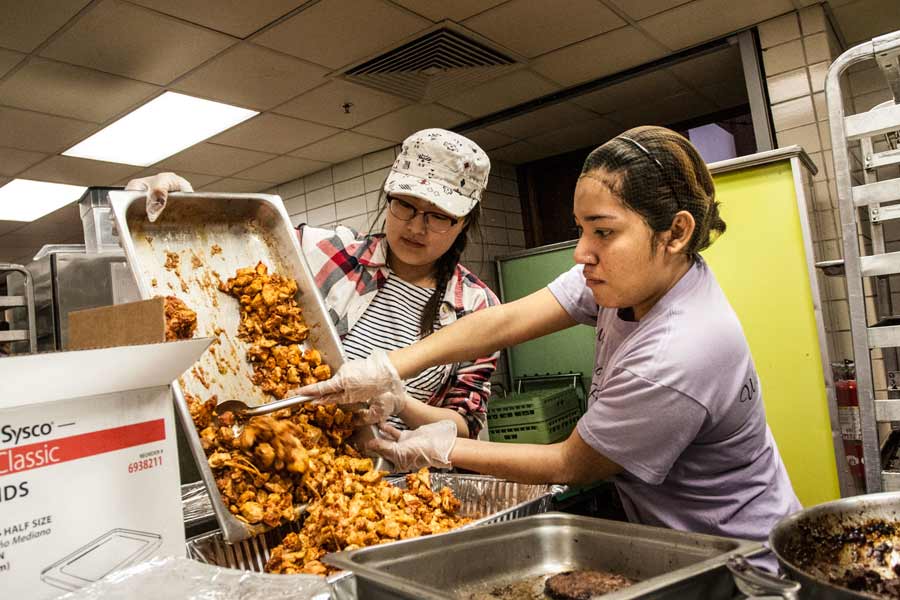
{"type": "Point", "coordinates": [390, 322]}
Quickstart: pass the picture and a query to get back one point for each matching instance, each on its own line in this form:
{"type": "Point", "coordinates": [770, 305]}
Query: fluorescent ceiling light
{"type": "Point", "coordinates": [164, 126]}
{"type": "Point", "coordinates": [27, 200]}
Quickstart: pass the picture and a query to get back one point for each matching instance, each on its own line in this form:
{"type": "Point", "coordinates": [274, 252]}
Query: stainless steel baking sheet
{"type": "Point", "coordinates": [248, 228]}
{"type": "Point", "coordinates": [478, 560]}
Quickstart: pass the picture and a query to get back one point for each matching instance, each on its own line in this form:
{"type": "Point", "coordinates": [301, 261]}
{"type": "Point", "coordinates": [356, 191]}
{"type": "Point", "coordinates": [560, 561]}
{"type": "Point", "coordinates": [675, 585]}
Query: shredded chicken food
{"type": "Point", "coordinates": [302, 455]}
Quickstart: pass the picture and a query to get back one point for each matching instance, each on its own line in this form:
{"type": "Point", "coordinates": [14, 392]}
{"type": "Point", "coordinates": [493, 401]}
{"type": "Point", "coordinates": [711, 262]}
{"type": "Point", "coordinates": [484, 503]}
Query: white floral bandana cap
{"type": "Point", "coordinates": [440, 167]}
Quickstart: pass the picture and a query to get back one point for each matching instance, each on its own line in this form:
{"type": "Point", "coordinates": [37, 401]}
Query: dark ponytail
{"type": "Point", "coordinates": [443, 272]}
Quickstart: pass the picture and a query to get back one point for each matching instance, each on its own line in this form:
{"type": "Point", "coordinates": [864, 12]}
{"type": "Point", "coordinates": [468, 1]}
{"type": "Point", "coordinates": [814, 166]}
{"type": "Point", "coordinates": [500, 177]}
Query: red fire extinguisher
{"type": "Point", "coordinates": [848, 413]}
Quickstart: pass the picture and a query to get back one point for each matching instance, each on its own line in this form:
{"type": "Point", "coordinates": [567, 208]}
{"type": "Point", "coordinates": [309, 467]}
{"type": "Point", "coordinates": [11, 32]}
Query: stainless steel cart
{"type": "Point", "coordinates": [23, 300]}
{"type": "Point", "coordinates": [867, 201]}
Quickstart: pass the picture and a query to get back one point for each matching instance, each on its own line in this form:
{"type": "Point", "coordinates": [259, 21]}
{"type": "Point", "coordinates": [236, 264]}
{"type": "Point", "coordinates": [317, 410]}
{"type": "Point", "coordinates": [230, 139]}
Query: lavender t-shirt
{"type": "Point", "coordinates": [676, 402]}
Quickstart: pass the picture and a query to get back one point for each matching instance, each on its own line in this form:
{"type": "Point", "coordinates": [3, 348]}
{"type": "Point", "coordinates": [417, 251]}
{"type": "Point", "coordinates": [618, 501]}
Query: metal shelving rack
{"type": "Point", "coordinates": [25, 301]}
{"type": "Point", "coordinates": [864, 206]}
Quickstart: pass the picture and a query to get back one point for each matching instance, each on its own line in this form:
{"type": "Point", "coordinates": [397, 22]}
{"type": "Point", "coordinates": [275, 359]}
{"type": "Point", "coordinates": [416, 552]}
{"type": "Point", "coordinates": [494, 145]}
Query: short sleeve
{"type": "Point", "coordinates": [574, 296]}
{"type": "Point", "coordinates": [640, 425]}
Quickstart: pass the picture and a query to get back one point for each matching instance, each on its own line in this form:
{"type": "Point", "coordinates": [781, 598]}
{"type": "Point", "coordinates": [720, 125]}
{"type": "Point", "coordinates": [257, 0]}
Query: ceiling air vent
{"type": "Point", "coordinates": [440, 63]}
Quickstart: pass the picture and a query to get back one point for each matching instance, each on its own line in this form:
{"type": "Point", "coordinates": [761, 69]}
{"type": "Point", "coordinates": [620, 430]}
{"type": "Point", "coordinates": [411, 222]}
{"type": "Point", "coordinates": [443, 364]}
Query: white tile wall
{"type": "Point", "coordinates": [794, 91]}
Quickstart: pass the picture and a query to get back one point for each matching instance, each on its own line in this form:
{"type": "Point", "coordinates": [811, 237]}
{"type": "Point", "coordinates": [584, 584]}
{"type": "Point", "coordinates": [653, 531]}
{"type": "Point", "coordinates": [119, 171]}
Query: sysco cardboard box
{"type": "Point", "coordinates": [88, 464]}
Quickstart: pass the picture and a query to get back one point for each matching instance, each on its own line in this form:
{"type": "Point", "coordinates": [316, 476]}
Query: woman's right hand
{"type": "Point", "coordinates": [358, 381]}
{"type": "Point", "coordinates": [157, 190]}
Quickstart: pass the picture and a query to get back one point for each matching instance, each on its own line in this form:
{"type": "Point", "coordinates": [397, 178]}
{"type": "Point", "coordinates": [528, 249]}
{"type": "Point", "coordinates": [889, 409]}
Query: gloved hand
{"type": "Point", "coordinates": [428, 446]}
{"type": "Point", "coordinates": [157, 189]}
{"type": "Point", "coordinates": [358, 381]}
{"type": "Point", "coordinates": [380, 408]}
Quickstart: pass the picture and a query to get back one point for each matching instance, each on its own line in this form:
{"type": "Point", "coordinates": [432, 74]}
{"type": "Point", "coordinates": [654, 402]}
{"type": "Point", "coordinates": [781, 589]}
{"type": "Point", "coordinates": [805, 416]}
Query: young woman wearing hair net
{"type": "Point", "coordinates": [675, 414]}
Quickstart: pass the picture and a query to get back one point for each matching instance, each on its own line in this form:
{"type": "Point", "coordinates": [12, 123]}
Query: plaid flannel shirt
{"type": "Point", "coordinates": [350, 269]}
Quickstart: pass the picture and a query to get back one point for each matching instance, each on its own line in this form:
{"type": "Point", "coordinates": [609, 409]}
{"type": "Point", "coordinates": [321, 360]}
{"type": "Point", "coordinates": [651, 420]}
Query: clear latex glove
{"type": "Point", "coordinates": [358, 381]}
{"type": "Point", "coordinates": [428, 446]}
{"type": "Point", "coordinates": [157, 189]}
{"type": "Point", "coordinates": [380, 408]}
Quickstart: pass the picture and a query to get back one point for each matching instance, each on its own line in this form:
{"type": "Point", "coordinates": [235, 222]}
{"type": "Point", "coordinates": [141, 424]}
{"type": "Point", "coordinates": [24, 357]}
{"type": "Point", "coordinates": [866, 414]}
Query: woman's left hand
{"type": "Point", "coordinates": [380, 408]}
{"type": "Point", "coordinates": [428, 446]}
{"type": "Point", "coordinates": [157, 190]}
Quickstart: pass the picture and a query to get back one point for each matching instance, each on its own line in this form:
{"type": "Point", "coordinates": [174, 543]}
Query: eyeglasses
{"type": "Point", "coordinates": [436, 222]}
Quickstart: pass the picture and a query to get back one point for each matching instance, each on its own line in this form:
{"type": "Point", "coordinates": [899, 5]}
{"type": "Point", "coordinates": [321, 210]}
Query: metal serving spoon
{"type": "Point", "coordinates": [242, 410]}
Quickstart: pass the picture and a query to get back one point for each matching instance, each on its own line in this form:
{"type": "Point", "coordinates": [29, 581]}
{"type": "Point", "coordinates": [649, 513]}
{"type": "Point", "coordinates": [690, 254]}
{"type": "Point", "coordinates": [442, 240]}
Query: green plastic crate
{"type": "Point", "coordinates": [531, 407]}
{"type": "Point", "coordinates": [547, 432]}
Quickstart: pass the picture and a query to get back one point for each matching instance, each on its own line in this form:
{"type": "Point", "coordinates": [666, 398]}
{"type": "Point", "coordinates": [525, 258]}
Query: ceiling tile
{"type": "Point", "coordinates": [236, 186]}
{"type": "Point", "coordinates": [489, 139]}
{"type": "Point", "coordinates": [438, 10]}
{"type": "Point", "coordinates": [644, 87]}
{"type": "Point", "coordinates": [19, 240]}
{"type": "Point", "coordinates": [529, 28]}
{"type": "Point", "coordinates": [335, 33]}
{"type": "Point", "coordinates": [325, 104]}
{"type": "Point", "coordinates": [8, 60]}
{"type": "Point", "coordinates": [197, 180]}
{"type": "Point", "coordinates": [42, 133]}
{"type": "Point", "coordinates": [865, 19]}
{"type": "Point", "coordinates": [8, 226]}
{"type": "Point", "coordinates": [543, 119]}
{"type": "Point", "coordinates": [341, 147]}
{"type": "Point", "coordinates": [25, 25]}
{"type": "Point", "coordinates": [725, 95]}
{"type": "Point", "coordinates": [709, 69]}
{"type": "Point", "coordinates": [69, 91]}
{"type": "Point", "coordinates": [251, 76]}
{"type": "Point", "coordinates": [503, 92]}
{"type": "Point", "coordinates": [669, 111]}
{"type": "Point", "coordinates": [397, 125]}
{"type": "Point", "coordinates": [645, 8]}
{"type": "Point", "coordinates": [704, 20]}
{"type": "Point", "coordinates": [134, 42]}
{"type": "Point", "coordinates": [283, 168]}
{"type": "Point", "coordinates": [212, 159]}
{"type": "Point", "coordinates": [599, 56]}
{"type": "Point", "coordinates": [578, 135]}
{"type": "Point", "coordinates": [79, 171]}
{"type": "Point", "coordinates": [13, 162]}
{"type": "Point", "coordinates": [274, 133]}
{"type": "Point", "coordinates": [234, 17]}
{"type": "Point", "coordinates": [518, 153]}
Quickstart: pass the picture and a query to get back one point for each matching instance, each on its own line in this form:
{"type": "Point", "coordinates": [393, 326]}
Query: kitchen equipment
{"type": "Point", "coordinates": [240, 409]}
{"type": "Point", "coordinates": [666, 563]}
{"type": "Point", "coordinates": [829, 537]}
{"type": "Point", "coordinates": [12, 302]}
{"type": "Point", "coordinates": [67, 278]}
{"type": "Point", "coordinates": [199, 240]}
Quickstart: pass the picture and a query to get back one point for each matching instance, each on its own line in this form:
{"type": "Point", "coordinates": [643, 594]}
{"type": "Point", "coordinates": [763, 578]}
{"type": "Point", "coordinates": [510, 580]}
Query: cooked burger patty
{"type": "Point", "coordinates": [582, 585]}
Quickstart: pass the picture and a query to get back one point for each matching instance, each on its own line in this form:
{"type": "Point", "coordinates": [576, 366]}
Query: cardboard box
{"type": "Point", "coordinates": [88, 464]}
{"type": "Point", "coordinates": [142, 322]}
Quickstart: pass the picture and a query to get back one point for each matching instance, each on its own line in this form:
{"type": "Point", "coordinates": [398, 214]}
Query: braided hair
{"type": "Point", "coordinates": [444, 267]}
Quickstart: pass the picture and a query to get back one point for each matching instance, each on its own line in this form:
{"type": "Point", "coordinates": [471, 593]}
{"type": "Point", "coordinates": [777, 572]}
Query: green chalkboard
{"type": "Point", "coordinates": [566, 351]}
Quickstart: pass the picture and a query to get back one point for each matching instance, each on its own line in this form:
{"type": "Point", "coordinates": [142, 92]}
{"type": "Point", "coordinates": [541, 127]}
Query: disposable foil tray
{"type": "Point", "coordinates": [483, 498]}
{"type": "Point", "coordinates": [484, 562]}
{"type": "Point", "coordinates": [214, 235]}
{"type": "Point", "coordinates": [115, 549]}
{"type": "Point", "coordinates": [196, 506]}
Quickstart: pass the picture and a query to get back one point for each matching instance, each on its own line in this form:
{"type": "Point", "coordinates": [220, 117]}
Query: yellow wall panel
{"type": "Point", "coordinates": [761, 265]}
